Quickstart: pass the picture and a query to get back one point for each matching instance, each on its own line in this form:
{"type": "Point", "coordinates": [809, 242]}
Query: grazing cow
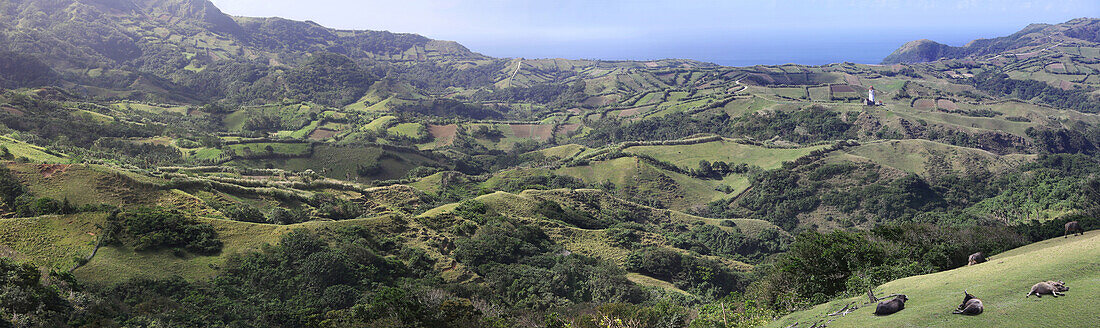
{"type": "Point", "coordinates": [1073, 227]}
{"type": "Point", "coordinates": [971, 305]}
{"type": "Point", "coordinates": [976, 258]}
{"type": "Point", "coordinates": [1053, 288]}
{"type": "Point", "coordinates": [892, 306]}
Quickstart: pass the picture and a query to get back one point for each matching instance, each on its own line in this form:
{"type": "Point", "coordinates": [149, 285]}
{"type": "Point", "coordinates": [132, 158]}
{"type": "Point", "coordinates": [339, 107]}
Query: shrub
{"type": "Point", "coordinates": [10, 187]}
{"type": "Point", "coordinates": [244, 212]}
{"type": "Point", "coordinates": [148, 229]}
{"type": "Point", "coordinates": [287, 216]}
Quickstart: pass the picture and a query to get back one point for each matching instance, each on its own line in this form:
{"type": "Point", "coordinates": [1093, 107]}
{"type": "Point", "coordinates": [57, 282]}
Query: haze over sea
{"type": "Point", "coordinates": [857, 46]}
{"type": "Point", "coordinates": [734, 33]}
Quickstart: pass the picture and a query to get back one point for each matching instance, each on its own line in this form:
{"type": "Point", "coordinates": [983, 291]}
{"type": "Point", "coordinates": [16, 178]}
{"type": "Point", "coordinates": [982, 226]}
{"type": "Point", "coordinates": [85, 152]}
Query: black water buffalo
{"type": "Point", "coordinates": [970, 306]}
{"type": "Point", "coordinates": [1073, 227]}
{"type": "Point", "coordinates": [976, 258]}
{"type": "Point", "coordinates": [1053, 288]}
{"type": "Point", "coordinates": [888, 307]}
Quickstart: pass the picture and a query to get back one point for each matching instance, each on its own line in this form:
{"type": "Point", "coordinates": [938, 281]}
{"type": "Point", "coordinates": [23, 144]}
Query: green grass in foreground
{"type": "Point", "coordinates": [1001, 283]}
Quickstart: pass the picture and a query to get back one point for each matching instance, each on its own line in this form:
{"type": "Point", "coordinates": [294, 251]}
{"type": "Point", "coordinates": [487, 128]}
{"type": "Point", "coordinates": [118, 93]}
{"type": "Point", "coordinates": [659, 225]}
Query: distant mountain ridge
{"type": "Point", "coordinates": [1076, 31]}
{"type": "Point", "coordinates": [121, 30]}
{"type": "Point", "coordinates": [189, 50]}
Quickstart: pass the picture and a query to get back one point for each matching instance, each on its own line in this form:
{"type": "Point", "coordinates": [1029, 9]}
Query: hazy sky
{"type": "Point", "coordinates": [727, 32]}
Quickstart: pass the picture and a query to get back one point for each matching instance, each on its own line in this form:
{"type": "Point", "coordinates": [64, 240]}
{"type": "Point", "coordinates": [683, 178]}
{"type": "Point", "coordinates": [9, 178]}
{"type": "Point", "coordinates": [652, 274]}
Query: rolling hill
{"type": "Point", "coordinates": [241, 171]}
{"type": "Point", "coordinates": [1027, 42]}
{"type": "Point", "coordinates": [1001, 284]}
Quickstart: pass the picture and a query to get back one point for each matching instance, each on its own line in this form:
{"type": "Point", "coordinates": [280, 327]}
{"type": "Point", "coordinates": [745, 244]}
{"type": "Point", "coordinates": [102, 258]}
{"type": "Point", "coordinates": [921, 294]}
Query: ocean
{"type": "Point", "coordinates": [863, 47]}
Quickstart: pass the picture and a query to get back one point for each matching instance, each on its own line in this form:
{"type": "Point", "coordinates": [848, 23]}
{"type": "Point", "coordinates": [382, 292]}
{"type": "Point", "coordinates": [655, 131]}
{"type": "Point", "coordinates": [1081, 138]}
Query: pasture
{"type": "Point", "coordinates": [688, 156]}
{"type": "Point", "coordinates": [1001, 283]}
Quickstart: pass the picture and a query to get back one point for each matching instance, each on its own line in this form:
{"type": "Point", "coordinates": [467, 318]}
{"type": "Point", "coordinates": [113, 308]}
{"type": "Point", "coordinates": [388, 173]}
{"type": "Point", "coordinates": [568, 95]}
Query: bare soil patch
{"type": "Point", "coordinates": [444, 134]}
{"type": "Point", "coordinates": [924, 104]}
{"type": "Point", "coordinates": [321, 134]}
{"type": "Point", "coordinates": [947, 104]}
{"type": "Point", "coordinates": [49, 170]}
{"type": "Point", "coordinates": [568, 128]}
{"type": "Point", "coordinates": [841, 88]}
{"type": "Point", "coordinates": [629, 112]}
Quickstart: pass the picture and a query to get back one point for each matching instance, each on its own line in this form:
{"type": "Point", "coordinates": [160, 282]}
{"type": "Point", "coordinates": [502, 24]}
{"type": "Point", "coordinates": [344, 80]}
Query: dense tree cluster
{"type": "Point", "coordinates": [150, 229]}
{"type": "Point", "coordinates": [329, 79]}
{"type": "Point", "coordinates": [807, 125]}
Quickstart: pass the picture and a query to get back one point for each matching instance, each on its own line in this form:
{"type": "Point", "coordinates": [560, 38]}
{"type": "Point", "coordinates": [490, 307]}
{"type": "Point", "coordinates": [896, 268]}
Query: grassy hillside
{"type": "Point", "coordinates": [257, 127]}
{"type": "Point", "coordinates": [636, 179]}
{"type": "Point", "coordinates": [930, 158]}
{"type": "Point", "coordinates": [597, 242]}
{"type": "Point", "coordinates": [31, 152]}
{"type": "Point", "coordinates": [92, 184]}
{"type": "Point", "coordinates": [53, 242]}
{"type": "Point", "coordinates": [119, 263]}
{"type": "Point", "coordinates": [1001, 283]}
{"type": "Point", "coordinates": [688, 156]}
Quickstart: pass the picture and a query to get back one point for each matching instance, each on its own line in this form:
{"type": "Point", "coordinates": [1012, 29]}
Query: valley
{"type": "Point", "coordinates": [166, 164]}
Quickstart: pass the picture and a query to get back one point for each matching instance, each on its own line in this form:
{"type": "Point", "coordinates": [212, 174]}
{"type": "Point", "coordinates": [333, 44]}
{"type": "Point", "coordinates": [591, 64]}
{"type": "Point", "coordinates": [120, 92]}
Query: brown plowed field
{"type": "Point", "coordinates": [444, 134]}
{"type": "Point", "coordinates": [841, 88]}
{"type": "Point", "coordinates": [322, 134]}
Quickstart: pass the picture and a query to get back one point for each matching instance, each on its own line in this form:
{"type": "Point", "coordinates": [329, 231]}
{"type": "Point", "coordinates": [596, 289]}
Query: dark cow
{"type": "Point", "coordinates": [971, 305]}
{"type": "Point", "coordinates": [976, 258]}
{"type": "Point", "coordinates": [892, 306]}
{"type": "Point", "coordinates": [1052, 288]}
{"type": "Point", "coordinates": [1073, 227]}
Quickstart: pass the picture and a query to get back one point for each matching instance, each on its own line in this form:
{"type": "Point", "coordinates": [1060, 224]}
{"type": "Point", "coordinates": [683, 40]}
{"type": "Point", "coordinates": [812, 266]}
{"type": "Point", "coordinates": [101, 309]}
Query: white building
{"type": "Point", "coordinates": [871, 95]}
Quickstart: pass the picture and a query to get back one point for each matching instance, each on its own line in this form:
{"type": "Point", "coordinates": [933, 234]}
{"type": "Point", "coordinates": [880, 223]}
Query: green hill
{"type": "Point", "coordinates": [928, 158]}
{"type": "Point", "coordinates": [1001, 283]}
{"type": "Point", "coordinates": [636, 179]}
{"type": "Point", "coordinates": [1032, 37]}
{"type": "Point", "coordinates": [432, 185]}
{"type": "Point", "coordinates": [732, 152]}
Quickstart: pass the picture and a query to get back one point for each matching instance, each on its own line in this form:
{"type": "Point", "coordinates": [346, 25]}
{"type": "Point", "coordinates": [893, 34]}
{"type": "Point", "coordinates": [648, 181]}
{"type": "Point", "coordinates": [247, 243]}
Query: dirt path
{"type": "Point", "coordinates": [518, 65]}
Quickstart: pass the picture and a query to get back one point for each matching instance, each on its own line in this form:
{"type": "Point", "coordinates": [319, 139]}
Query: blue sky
{"type": "Point", "coordinates": [726, 32]}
